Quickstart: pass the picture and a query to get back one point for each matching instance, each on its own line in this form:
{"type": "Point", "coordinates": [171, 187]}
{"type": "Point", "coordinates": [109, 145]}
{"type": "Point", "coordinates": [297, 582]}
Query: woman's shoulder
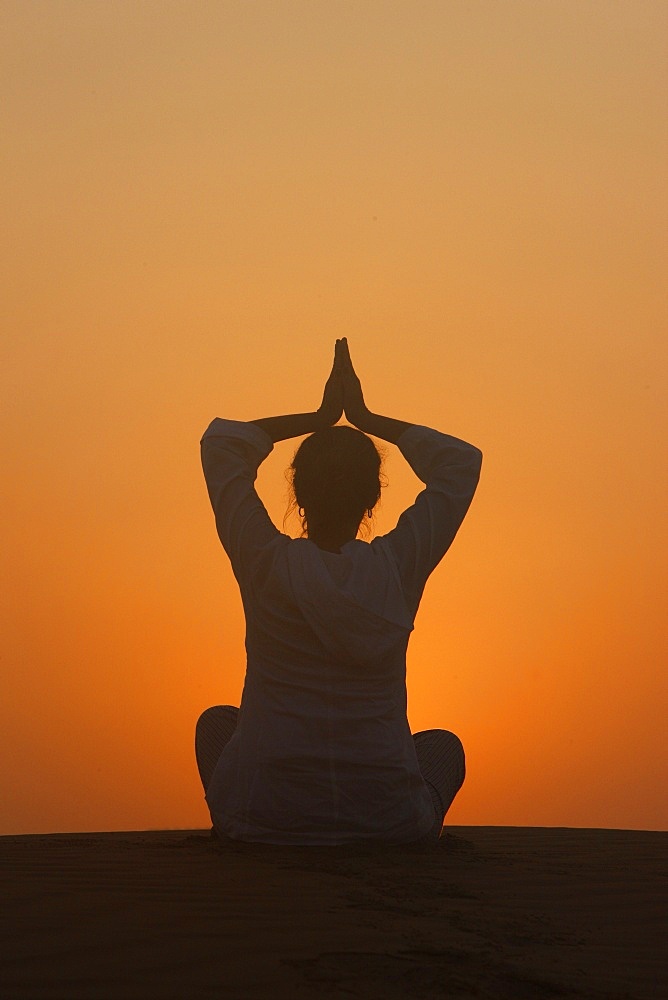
{"type": "Point", "coordinates": [238, 430]}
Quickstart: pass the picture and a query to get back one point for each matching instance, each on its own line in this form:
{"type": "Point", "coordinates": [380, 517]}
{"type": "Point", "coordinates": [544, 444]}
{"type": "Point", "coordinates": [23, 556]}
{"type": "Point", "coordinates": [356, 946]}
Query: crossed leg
{"type": "Point", "coordinates": [440, 756]}
{"type": "Point", "coordinates": [441, 759]}
{"type": "Point", "coordinates": [213, 732]}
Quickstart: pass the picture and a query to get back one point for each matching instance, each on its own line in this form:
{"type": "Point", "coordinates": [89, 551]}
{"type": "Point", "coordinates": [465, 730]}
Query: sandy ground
{"type": "Point", "coordinates": [498, 912]}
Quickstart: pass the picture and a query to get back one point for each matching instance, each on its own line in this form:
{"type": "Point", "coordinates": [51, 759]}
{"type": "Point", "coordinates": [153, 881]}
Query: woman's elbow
{"type": "Point", "coordinates": [476, 458]}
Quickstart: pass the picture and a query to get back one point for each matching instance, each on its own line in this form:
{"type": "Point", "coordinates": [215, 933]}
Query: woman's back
{"type": "Point", "coordinates": [322, 752]}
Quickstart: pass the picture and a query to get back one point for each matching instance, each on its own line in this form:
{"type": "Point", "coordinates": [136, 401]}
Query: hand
{"type": "Point", "coordinates": [331, 408]}
{"type": "Point", "coordinates": [353, 399]}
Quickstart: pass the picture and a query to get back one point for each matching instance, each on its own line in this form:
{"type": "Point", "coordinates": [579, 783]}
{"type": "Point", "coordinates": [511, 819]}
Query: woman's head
{"type": "Point", "coordinates": [335, 478]}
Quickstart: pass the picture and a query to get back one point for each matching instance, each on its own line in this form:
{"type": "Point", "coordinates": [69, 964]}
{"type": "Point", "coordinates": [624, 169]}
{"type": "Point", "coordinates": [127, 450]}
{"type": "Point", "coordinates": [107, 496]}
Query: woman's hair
{"type": "Point", "coordinates": [335, 476]}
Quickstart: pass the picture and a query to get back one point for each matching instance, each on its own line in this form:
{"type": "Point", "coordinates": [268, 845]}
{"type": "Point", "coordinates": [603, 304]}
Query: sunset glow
{"type": "Point", "coordinates": [200, 198]}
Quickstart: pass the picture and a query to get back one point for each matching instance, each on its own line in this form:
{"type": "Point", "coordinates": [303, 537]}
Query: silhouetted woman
{"type": "Point", "coordinates": [320, 751]}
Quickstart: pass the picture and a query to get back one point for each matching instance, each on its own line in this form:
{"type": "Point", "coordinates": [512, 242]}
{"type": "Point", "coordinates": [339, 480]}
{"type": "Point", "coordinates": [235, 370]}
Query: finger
{"type": "Point", "coordinates": [335, 363]}
{"type": "Point", "coordinates": [339, 360]}
{"type": "Point", "coordinates": [348, 360]}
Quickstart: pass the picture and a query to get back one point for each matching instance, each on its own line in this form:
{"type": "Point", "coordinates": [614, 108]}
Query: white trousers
{"type": "Point", "coordinates": [440, 757]}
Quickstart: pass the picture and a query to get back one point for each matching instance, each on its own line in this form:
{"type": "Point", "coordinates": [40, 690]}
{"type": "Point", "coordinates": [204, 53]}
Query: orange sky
{"type": "Point", "coordinates": [200, 197]}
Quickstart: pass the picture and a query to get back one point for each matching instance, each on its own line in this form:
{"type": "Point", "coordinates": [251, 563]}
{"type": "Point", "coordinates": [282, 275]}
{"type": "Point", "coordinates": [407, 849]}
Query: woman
{"type": "Point", "coordinates": [320, 751]}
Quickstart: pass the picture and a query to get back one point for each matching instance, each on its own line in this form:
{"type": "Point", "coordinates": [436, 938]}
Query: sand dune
{"type": "Point", "coordinates": [496, 912]}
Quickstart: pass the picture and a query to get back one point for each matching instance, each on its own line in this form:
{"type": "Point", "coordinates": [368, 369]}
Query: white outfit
{"type": "Point", "coordinates": [322, 752]}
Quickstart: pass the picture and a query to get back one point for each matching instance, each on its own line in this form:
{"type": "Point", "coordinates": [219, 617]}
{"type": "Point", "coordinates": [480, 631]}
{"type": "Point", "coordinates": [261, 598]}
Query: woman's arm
{"type": "Point", "coordinates": [448, 467]}
{"type": "Point", "coordinates": [386, 428]}
{"type": "Point", "coordinates": [328, 413]}
{"type": "Point", "coordinates": [231, 454]}
{"type": "Point", "coordinates": [290, 425]}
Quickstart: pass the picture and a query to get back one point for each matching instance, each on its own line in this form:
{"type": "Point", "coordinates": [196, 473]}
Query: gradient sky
{"type": "Point", "coordinates": [199, 198]}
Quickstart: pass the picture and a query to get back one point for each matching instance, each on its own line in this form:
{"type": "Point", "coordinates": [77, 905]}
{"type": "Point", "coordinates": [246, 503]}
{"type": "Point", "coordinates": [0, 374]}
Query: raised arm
{"type": "Point", "coordinates": [328, 413]}
{"type": "Point", "coordinates": [386, 428]}
{"type": "Point", "coordinates": [448, 467]}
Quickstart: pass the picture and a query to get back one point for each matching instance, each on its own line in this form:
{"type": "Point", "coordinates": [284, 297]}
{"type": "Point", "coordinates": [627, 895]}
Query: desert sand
{"type": "Point", "coordinates": [498, 912]}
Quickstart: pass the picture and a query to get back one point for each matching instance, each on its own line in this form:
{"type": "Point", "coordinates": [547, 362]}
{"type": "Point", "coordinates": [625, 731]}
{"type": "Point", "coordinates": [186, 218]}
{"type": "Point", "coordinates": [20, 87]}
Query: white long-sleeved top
{"type": "Point", "coordinates": [323, 753]}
